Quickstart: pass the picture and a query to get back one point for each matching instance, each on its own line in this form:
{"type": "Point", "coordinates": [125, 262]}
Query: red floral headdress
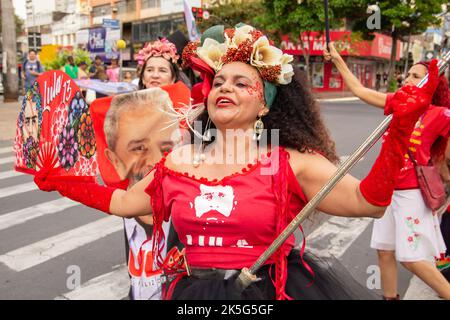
{"type": "Point", "coordinates": [160, 48]}
{"type": "Point", "coordinates": [244, 43]}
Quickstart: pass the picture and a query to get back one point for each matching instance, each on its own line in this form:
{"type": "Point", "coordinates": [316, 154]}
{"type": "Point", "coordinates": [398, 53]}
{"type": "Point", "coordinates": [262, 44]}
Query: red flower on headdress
{"type": "Point", "coordinates": [206, 72]}
{"type": "Point", "coordinates": [189, 50]}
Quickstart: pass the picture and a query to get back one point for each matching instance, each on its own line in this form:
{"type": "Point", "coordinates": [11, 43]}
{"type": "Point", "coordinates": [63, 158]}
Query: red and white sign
{"type": "Point", "coordinates": [379, 47]}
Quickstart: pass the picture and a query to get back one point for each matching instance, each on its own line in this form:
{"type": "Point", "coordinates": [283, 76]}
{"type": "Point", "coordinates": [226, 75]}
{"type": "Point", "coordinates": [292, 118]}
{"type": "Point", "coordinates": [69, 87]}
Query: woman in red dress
{"type": "Point", "coordinates": [409, 231]}
{"type": "Point", "coordinates": [229, 197]}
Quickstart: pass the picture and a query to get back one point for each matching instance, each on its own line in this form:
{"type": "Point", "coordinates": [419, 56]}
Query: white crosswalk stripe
{"type": "Point", "coordinates": [114, 285]}
{"type": "Point", "coordinates": [6, 150]}
{"type": "Point", "coordinates": [17, 189]}
{"type": "Point", "coordinates": [338, 233]}
{"type": "Point", "coordinates": [7, 160]}
{"type": "Point", "coordinates": [341, 232]}
{"type": "Point", "coordinates": [9, 174]}
{"type": "Point", "coordinates": [418, 290]}
{"type": "Point", "coordinates": [42, 251]}
{"type": "Point", "coordinates": [21, 216]}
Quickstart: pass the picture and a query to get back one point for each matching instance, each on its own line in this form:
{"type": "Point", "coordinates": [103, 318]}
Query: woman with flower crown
{"type": "Point", "coordinates": [159, 64]}
{"type": "Point", "coordinates": [265, 154]}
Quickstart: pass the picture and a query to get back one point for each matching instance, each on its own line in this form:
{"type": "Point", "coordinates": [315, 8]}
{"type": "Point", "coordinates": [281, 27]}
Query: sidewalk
{"type": "Point", "coordinates": [8, 116]}
{"type": "Point", "coordinates": [333, 94]}
{"type": "Point", "coordinates": [338, 95]}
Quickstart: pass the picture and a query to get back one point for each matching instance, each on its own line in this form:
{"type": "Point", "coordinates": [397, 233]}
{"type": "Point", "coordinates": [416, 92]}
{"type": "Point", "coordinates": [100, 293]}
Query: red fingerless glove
{"type": "Point", "coordinates": [81, 189]}
{"type": "Point", "coordinates": [408, 104]}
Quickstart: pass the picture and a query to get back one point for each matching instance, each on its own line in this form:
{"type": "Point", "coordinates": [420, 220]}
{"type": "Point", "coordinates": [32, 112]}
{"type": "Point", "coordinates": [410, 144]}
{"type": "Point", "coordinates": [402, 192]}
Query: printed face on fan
{"type": "Point", "coordinates": [30, 126]}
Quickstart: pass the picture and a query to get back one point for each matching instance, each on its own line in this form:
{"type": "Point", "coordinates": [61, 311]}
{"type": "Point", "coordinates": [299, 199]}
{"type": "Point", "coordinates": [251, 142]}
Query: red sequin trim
{"type": "Point", "coordinates": [270, 73]}
{"type": "Point", "coordinates": [245, 170]}
{"type": "Point", "coordinates": [229, 32]}
{"type": "Point", "coordinates": [188, 51]}
{"type": "Point", "coordinates": [256, 34]}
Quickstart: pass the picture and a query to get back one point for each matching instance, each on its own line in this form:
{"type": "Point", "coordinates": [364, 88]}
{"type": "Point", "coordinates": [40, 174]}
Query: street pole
{"type": "Point", "coordinates": [9, 68]}
{"type": "Point", "coordinates": [405, 72]}
{"type": "Point", "coordinates": [120, 56]}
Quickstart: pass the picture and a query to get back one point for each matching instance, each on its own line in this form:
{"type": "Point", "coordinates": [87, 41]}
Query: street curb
{"type": "Point", "coordinates": [339, 99]}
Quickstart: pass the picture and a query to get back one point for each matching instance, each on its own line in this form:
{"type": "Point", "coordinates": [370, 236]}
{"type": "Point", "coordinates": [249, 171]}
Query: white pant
{"type": "Point", "coordinates": [409, 228]}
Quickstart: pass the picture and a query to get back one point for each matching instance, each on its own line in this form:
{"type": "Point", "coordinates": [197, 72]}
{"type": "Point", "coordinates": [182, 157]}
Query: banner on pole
{"type": "Point", "coordinates": [190, 22]}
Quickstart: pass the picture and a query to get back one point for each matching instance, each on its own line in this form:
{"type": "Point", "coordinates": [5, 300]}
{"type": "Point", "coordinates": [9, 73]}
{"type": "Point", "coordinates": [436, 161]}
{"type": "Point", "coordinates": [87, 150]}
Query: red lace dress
{"type": "Point", "coordinates": [228, 223]}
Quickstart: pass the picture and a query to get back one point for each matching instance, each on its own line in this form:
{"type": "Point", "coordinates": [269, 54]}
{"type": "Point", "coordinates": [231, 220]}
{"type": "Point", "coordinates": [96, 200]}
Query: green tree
{"type": "Point", "coordinates": [399, 19]}
{"type": "Point", "coordinates": [78, 55]}
{"type": "Point", "coordinates": [18, 23]}
{"type": "Point", "coordinates": [10, 79]}
{"type": "Point", "coordinates": [292, 18]}
{"type": "Point", "coordinates": [234, 12]}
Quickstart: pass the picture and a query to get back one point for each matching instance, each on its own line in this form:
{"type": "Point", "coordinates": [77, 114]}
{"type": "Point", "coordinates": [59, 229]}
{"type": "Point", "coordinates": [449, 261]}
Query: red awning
{"type": "Point", "coordinates": [379, 47]}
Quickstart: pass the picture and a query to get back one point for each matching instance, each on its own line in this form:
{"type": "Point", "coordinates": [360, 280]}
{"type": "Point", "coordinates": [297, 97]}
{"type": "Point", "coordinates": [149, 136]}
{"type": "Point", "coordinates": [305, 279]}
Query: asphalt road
{"type": "Point", "coordinates": [49, 245]}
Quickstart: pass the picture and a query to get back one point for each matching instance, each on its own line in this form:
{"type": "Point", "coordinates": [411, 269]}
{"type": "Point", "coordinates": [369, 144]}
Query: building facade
{"type": "Point", "coordinates": [141, 20]}
{"type": "Point", "coordinates": [366, 59]}
{"type": "Point", "coordinates": [54, 22]}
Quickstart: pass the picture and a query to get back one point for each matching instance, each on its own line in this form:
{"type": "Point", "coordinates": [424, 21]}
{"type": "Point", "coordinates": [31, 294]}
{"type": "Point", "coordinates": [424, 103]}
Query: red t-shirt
{"type": "Point", "coordinates": [227, 223]}
{"type": "Point", "coordinates": [434, 123]}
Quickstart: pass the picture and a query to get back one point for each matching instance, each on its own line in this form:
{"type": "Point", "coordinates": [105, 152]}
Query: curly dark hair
{"type": "Point", "coordinates": [296, 114]}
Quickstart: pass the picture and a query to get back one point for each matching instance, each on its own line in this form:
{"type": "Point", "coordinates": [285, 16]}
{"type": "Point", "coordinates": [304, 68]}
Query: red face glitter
{"type": "Point", "coordinates": [257, 90]}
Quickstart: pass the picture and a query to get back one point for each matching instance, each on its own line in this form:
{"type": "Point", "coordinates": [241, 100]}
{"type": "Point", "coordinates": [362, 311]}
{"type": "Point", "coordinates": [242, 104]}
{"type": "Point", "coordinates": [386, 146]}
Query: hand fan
{"type": "Point", "coordinates": [54, 129]}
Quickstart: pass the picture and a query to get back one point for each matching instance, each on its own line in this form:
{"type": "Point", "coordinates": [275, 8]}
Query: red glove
{"type": "Point", "coordinates": [408, 104]}
{"type": "Point", "coordinates": [81, 189]}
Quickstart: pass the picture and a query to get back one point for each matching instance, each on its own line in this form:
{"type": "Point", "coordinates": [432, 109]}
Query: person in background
{"type": "Point", "coordinates": [32, 68]}
{"type": "Point", "coordinates": [113, 70]}
{"type": "Point", "coordinates": [82, 67]}
{"type": "Point", "coordinates": [127, 77]}
{"type": "Point", "coordinates": [97, 70]}
{"type": "Point", "coordinates": [409, 231]}
{"type": "Point", "coordinates": [378, 82]}
{"type": "Point", "coordinates": [70, 68]}
{"type": "Point", "coordinates": [385, 78]}
{"type": "Point", "coordinates": [135, 81]}
{"type": "Point", "coordinates": [136, 139]}
{"type": "Point", "coordinates": [443, 263]}
{"type": "Point", "coordinates": [137, 136]}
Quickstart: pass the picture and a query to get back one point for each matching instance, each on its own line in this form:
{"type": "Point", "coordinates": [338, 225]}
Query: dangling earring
{"type": "Point", "coordinates": [200, 155]}
{"type": "Point", "coordinates": [258, 129]}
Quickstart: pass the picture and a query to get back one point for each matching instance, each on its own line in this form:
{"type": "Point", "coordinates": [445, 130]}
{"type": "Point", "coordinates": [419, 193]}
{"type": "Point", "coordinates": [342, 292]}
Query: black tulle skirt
{"type": "Point", "coordinates": [331, 281]}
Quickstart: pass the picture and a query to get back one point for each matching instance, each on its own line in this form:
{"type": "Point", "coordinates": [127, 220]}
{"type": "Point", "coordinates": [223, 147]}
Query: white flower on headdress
{"type": "Point", "coordinates": [211, 52]}
{"type": "Point", "coordinates": [264, 54]}
{"type": "Point", "coordinates": [241, 34]}
{"type": "Point", "coordinates": [287, 71]}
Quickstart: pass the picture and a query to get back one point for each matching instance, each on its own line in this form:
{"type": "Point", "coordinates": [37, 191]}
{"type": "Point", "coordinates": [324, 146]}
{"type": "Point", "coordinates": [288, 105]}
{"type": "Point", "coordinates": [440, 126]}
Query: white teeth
{"type": "Point", "coordinates": [224, 101]}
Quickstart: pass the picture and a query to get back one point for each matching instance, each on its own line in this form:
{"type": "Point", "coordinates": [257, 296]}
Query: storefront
{"type": "Point", "coordinates": [150, 29]}
{"type": "Point", "coordinates": [365, 59]}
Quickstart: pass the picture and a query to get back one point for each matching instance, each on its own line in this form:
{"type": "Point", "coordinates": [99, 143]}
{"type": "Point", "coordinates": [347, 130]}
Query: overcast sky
{"type": "Point", "coordinates": [19, 7]}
